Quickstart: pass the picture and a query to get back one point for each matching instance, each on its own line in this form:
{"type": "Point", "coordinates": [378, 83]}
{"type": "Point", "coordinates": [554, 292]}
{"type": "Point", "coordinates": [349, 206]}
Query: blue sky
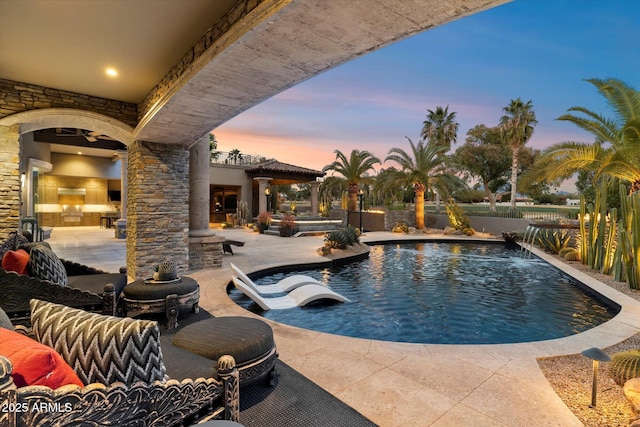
{"type": "Point", "coordinates": [538, 50]}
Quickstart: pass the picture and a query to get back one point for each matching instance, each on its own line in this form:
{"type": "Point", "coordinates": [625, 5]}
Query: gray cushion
{"type": "Point", "coordinates": [5, 322]}
{"type": "Point", "coordinates": [100, 348]}
{"type": "Point", "coordinates": [244, 338]}
{"type": "Point", "coordinates": [45, 265]}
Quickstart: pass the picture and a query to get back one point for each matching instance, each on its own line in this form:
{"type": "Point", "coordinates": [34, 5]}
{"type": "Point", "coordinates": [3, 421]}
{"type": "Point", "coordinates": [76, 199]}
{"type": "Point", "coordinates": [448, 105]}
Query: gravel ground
{"type": "Point", "coordinates": [571, 377]}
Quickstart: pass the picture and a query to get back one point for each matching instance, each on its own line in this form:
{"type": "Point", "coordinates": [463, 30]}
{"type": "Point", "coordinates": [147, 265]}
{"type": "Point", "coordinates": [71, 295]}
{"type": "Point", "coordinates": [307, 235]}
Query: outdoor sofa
{"type": "Point", "coordinates": [45, 276]}
{"type": "Point", "coordinates": [63, 375]}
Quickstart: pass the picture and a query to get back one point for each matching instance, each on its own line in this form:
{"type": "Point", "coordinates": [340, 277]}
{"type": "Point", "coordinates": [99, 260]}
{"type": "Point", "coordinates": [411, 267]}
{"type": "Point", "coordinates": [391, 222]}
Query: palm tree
{"type": "Point", "coordinates": [235, 156]}
{"type": "Point", "coordinates": [517, 127]}
{"type": "Point", "coordinates": [353, 171]}
{"type": "Point", "coordinates": [440, 129]}
{"type": "Point", "coordinates": [615, 153]}
{"type": "Point", "coordinates": [425, 168]}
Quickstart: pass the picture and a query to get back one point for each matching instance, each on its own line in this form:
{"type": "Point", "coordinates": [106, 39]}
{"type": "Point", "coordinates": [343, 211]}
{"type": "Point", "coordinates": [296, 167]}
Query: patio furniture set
{"type": "Point", "coordinates": [140, 376]}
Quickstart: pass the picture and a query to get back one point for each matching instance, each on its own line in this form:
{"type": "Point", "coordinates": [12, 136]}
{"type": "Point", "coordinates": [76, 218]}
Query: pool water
{"type": "Point", "coordinates": [445, 293]}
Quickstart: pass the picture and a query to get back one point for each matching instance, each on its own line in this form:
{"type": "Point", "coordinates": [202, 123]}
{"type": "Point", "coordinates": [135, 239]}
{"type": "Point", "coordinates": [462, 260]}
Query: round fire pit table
{"type": "Point", "coordinates": [149, 296]}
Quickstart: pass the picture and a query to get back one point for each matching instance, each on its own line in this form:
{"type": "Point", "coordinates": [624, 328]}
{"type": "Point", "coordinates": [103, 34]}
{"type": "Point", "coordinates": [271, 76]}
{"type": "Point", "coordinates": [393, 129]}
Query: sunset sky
{"type": "Point", "coordinates": [538, 50]}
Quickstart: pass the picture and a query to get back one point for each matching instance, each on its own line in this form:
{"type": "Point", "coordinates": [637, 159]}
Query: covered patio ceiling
{"type": "Point", "coordinates": [67, 44]}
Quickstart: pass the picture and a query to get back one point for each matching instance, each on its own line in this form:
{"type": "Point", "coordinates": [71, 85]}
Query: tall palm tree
{"type": "Point", "coordinates": [517, 127]}
{"type": "Point", "coordinates": [615, 152]}
{"type": "Point", "coordinates": [441, 129]}
{"type": "Point", "coordinates": [424, 167]}
{"type": "Point", "coordinates": [353, 170]}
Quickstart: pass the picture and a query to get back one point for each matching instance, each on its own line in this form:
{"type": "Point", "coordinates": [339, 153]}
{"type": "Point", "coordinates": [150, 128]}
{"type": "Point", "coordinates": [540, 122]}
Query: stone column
{"type": "Point", "coordinates": [199, 199]}
{"type": "Point", "coordinates": [315, 185]}
{"type": "Point", "coordinates": [263, 183]}
{"type": "Point", "coordinates": [157, 207]}
{"type": "Point", "coordinates": [10, 185]}
{"type": "Point", "coordinates": [205, 248]}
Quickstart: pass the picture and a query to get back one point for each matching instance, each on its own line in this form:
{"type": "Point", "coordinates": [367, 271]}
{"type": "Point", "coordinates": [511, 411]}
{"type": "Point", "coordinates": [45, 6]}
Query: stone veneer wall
{"type": "Point", "coordinates": [10, 185]}
{"type": "Point", "coordinates": [391, 218]}
{"type": "Point", "coordinates": [237, 12]}
{"type": "Point", "coordinates": [205, 252]}
{"type": "Point", "coordinates": [16, 97]}
{"type": "Point", "coordinates": [157, 207]}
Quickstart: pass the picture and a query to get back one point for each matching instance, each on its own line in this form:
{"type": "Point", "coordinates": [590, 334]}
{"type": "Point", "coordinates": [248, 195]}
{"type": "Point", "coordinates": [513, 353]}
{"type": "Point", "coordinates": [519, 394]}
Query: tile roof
{"type": "Point", "coordinates": [276, 166]}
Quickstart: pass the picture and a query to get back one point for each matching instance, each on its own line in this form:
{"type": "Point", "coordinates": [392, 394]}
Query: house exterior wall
{"type": "Point", "coordinates": [232, 175]}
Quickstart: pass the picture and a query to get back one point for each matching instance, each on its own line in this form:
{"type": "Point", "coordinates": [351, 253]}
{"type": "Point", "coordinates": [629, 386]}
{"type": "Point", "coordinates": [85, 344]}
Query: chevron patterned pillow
{"type": "Point", "coordinates": [45, 265]}
{"type": "Point", "coordinates": [99, 348]}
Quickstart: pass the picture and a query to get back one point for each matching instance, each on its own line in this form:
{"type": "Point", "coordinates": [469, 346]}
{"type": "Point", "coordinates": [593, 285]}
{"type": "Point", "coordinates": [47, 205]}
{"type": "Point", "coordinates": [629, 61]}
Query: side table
{"type": "Point", "coordinates": [145, 296]}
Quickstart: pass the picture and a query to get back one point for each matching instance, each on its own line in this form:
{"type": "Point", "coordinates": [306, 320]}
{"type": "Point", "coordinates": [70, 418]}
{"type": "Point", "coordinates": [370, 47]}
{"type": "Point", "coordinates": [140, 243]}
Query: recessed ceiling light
{"type": "Point", "coordinates": [80, 153]}
{"type": "Point", "coordinates": [111, 72]}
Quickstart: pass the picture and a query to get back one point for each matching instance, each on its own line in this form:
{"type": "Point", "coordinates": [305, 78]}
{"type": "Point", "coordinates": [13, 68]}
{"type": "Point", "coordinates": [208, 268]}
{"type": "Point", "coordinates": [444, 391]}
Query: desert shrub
{"type": "Point", "coordinates": [469, 231]}
{"type": "Point", "coordinates": [625, 365]}
{"type": "Point", "coordinates": [457, 218]}
{"type": "Point", "coordinates": [574, 255]}
{"type": "Point", "coordinates": [400, 227]}
{"type": "Point", "coordinates": [564, 251]}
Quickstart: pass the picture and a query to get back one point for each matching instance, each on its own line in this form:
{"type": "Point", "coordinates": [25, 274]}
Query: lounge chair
{"type": "Point", "coordinates": [285, 285]}
{"type": "Point", "coordinates": [296, 298]}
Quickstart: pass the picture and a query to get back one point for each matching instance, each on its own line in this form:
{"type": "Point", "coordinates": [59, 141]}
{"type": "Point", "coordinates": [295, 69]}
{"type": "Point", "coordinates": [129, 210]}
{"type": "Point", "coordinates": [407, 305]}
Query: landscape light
{"type": "Point", "coordinates": [597, 356]}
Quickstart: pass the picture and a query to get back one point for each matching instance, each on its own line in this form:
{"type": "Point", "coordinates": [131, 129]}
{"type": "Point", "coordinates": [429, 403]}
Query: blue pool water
{"type": "Point", "coordinates": [449, 293]}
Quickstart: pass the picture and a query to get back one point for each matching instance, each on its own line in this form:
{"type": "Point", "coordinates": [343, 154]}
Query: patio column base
{"type": "Point", "coordinates": [205, 252]}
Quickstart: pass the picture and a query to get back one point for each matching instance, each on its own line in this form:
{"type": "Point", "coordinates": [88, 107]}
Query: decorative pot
{"type": "Point", "coordinates": [167, 270]}
{"type": "Point", "coordinates": [262, 227]}
{"type": "Point", "coordinates": [286, 231]}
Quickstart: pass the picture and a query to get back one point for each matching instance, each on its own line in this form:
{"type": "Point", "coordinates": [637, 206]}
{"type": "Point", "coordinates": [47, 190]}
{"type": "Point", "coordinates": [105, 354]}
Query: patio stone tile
{"type": "Point", "coordinates": [334, 369]}
{"type": "Point", "coordinates": [392, 399]}
{"type": "Point", "coordinates": [525, 370]}
{"type": "Point", "coordinates": [443, 374]}
{"type": "Point", "coordinates": [461, 415]}
{"type": "Point", "coordinates": [475, 354]}
{"type": "Point", "coordinates": [526, 405]}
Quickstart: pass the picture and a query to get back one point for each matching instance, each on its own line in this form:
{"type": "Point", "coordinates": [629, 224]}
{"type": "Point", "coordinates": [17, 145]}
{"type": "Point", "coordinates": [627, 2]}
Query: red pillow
{"type": "Point", "coordinates": [35, 363]}
{"type": "Point", "coordinates": [16, 261]}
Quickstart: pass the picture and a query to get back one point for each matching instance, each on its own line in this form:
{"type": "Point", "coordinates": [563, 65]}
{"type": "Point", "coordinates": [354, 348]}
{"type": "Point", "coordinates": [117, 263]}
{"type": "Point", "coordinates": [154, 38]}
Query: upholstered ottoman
{"type": "Point", "coordinates": [249, 341]}
{"type": "Point", "coordinates": [143, 296]}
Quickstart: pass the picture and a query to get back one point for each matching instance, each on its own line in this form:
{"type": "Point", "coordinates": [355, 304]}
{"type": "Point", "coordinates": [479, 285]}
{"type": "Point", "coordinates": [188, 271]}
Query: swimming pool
{"type": "Point", "coordinates": [446, 293]}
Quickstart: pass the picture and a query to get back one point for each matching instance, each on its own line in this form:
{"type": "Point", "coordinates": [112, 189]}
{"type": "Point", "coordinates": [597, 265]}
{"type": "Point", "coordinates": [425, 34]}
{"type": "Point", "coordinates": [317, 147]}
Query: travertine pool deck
{"type": "Point", "coordinates": [392, 384]}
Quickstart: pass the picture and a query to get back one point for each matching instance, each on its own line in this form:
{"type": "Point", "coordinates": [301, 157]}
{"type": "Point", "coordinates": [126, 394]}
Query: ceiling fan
{"type": "Point", "coordinates": [91, 136]}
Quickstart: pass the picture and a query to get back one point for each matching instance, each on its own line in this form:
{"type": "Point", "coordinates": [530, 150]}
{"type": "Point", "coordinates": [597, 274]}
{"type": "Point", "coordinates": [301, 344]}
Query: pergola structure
{"type": "Point", "coordinates": [273, 172]}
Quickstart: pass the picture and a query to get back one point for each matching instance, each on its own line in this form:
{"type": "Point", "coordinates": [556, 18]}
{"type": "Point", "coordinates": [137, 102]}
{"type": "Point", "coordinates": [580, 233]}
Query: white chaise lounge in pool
{"type": "Point", "coordinates": [297, 297]}
{"type": "Point", "coordinates": [285, 285]}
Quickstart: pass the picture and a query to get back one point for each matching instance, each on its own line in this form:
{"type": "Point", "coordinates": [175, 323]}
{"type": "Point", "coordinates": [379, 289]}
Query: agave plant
{"type": "Point", "coordinates": [336, 239]}
{"type": "Point", "coordinates": [341, 238]}
{"type": "Point", "coordinates": [553, 240]}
